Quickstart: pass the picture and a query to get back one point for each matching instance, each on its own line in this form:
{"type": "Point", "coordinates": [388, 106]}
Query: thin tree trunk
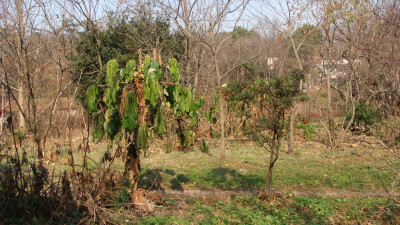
{"type": "Point", "coordinates": [330, 119]}
{"type": "Point", "coordinates": [221, 111]}
{"type": "Point", "coordinates": [132, 163]}
{"type": "Point", "coordinates": [21, 119]}
{"type": "Point", "coordinates": [291, 129]}
{"type": "Point", "coordinates": [294, 108]}
{"type": "Point", "coordinates": [272, 160]}
{"type": "Point", "coordinates": [2, 105]}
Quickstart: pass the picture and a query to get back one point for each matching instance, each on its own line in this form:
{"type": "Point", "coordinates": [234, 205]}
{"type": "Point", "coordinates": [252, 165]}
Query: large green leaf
{"type": "Point", "coordinates": [160, 125]}
{"type": "Point", "coordinates": [91, 95]}
{"type": "Point", "coordinates": [98, 126]}
{"type": "Point", "coordinates": [169, 95]}
{"type": "Point", "coordinates": [199, 103]}
{"type": "Point", "coordinates": [112, 70]}
{"type": "Point", "coordinates": [186, 100]}
{"type": "Point", "coordinates": [152, 88]}
{"type": "Point", "coordinates": [177, 93]}
{"type": "Point", "coordinates": [113, 122]}
{"type": "Point", "coordinates": [129, 119]}
{"type": "Point", "coordinates": [130, 70]}
{"type": "Point", "coordinates": [174, 69]}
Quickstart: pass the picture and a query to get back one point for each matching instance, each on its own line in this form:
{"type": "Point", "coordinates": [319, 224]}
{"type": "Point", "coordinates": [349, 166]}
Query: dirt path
{"type": "Point", "coordinates": [218, 194]}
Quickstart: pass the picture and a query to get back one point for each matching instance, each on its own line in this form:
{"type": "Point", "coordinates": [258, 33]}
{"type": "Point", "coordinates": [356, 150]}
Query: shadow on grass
{"type": "Point", "coordinates": [151, 179]}
{"type": "Point", "coordinates": [229, 179]}
{"type": "Point", "coordinates": [221, 178]}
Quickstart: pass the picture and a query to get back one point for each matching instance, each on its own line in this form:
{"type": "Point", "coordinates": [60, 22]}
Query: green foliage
{"type": "Point", "coordinates": [239, 32]}
{"type": "Point", "coordinates": [120, 200]}
{"type": "Point", "coordinates": [116, 42]}
{"type": "Point", "coordinates": [210, 114]}
{"type": "Point", "coordinates": [365, 115]}
{"type": "Point", "coordinates": [19, 135]}
{"type": "Point", "coordinates": [160, 125]}
{"type": "Point", "coordinates": [174, 69]}
{"type": "Point", "coordinates": [142, 139]}
{"type": "Point", "coordinates": [98, 126]}
{"type": "Point", "coordinates": [184, 105]}
{"type": "Point", "coordinates": [129, 119]}
{"type": "Point", "coordinates": [112, 71]}
{"type": "Point", "coordinates": [319, 209]}
{"type": "Point", "coordinates": [307, 127]}
{"type": "Point", "coordinates": [91, 96]}
{"type": "Point", "coordinates": [128, 72]}
{"type": "Point", "coordinates": [113, 122]}
{"type": "Point", "coordinates": [168, 147]}
{"type": "Point", "coordinates": [204, 147]}
{"type": "Point", "coordinates": [273, 96]}
{"type": "Point", "coordinates": [113, 88]}
{"type": "Point", "coordinates": [179, 99]}
{"type": "Point", "coordinates": [152, 88]}
{"type": "Point", "coordinates": [311, 38]}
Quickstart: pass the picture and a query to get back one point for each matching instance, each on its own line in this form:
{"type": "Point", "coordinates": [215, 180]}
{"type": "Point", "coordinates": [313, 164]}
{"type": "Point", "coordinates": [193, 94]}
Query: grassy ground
{"type": "Point", "coordinates": [275, 210]}
{"type": "Point", "coordinates": [312, 166]}
{"type": "Point", "coordinates": [245, 167]}
{"type": "Point", "coordinates": [309, 170]}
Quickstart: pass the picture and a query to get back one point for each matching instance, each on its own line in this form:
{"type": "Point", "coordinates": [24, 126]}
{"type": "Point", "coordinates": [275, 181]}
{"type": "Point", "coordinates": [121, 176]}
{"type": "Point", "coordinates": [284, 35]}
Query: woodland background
{"type": "Point", "coordinates": [336, 62]}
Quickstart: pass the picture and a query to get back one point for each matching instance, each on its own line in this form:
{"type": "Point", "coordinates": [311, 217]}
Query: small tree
{"type": "Point", "coordinates": [273, 98]}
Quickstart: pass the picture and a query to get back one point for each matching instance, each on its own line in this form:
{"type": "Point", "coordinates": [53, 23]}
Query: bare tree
{"type": "Point", "coordinates": [34, 49]}
{"type": "Point", "coordinates": [204, 22]}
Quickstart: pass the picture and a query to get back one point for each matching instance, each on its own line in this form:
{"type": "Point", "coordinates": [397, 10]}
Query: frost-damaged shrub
{"type": "Point", "coordinates": [131, 104]}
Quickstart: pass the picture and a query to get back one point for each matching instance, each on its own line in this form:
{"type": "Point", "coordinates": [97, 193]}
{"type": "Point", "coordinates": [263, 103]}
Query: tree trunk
{"type": "Point", "coordinates": [221, 109]}
{"type": "Point", "coordinates": [272, 160]}
{"type": "Point", "coordinates": [222, 125]}
{"type": "Point", "coordinates": [1, 109]}
{"type": "Point", "coordinates": [181, 134]}
{"type": "Point", "coordinates": [291, 130]}
{"type": "Point", "coordinates": [330, 119]}
{"type": "Point", "coordinates": [132, 163]}
{"type": "Point", "coordinates": [294, 108]}
{"type": "Point", "coordinates": [21, 119]}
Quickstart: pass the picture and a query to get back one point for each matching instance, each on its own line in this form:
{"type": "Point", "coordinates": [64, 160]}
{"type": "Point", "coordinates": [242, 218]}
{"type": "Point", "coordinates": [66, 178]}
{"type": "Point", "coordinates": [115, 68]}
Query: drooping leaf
{"type": "Point", "coordinates": [112, 70]}
{"type": "Point", "coordinates": [98, 127]}
{"type": "Point", "coordinates": [186, 100]}
{"type": "Point", "coordinates": [142, 139]}
{"type": "Point", "coordinates": [154, 68]}
{"type": "Point", "coordinates": [130, 70]}
{"type": "Point", "coordinates": [152, 89]}
{"type": "Point", "coordinates": [147, 59]}
{"type": "Point", "coordinates": [169, 94]}
{"type": "Point", "coordinates": [176, 94]}
{"type": "Point", "coordinates": [199, 103]}
{"type": "Point", "coordinates": [91, 95]}
{"type": "Point", "coordinates": [160, 125]}
{"type": "Point", "coordinates": [129, 119]}
{"type": "Point", "coordinates": [114, 122]}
